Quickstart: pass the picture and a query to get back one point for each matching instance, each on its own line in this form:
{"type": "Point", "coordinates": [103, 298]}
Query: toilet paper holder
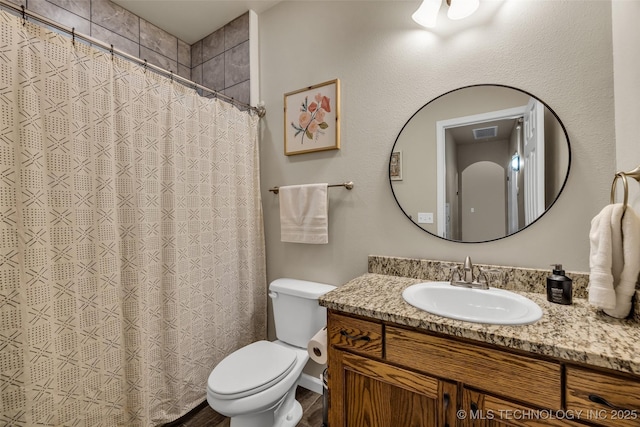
{"type": "Point", "coordinates": [317, 347]}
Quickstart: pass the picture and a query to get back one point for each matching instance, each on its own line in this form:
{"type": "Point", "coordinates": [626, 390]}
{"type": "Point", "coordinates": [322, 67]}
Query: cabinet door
{"type": "Point", "coordinates": [483, 410]}
{"type": "Point", "coordinates": [370, 393]}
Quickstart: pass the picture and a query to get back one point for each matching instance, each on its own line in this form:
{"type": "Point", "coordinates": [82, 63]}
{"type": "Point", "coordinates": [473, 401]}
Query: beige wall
{"type": "Point", "coordinates": [556, 157]}
{"type": "Point", "coordinates": [482, 206]}
{"type": "Point", "coordinates": [452, 189]}
{"type": "Point", "coordinates": [560, 51]}
{"type": "Point", "coordinates": [417, 190]}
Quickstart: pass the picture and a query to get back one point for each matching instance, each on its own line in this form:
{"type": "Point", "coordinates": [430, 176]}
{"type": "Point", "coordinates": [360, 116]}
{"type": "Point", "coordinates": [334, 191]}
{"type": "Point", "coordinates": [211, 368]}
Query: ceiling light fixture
{"type": "Point", "coordinates": [427, 13]}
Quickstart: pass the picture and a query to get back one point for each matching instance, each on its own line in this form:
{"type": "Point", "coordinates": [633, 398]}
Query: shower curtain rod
{"type": "Point", "coordinates": [21, 11]}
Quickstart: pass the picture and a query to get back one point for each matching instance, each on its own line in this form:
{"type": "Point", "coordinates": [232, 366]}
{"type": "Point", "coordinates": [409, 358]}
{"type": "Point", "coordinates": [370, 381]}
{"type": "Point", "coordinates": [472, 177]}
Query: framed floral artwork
{"type": "Point", "coordinates": [312, 118]}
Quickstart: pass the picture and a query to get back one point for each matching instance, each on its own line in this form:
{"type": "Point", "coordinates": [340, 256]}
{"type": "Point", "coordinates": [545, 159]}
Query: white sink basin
{"type": "Point", "coordinates": [493, 306]}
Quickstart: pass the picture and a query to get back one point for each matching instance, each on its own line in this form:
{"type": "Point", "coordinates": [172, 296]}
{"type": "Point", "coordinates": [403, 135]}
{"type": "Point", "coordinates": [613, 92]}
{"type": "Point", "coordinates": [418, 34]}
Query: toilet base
{"type": "Point", "coordinates": [293, 416]}
{"type": "Point", "coordinates": [286, 413]}
{"type": "Point", "coordinates": [263, 419]}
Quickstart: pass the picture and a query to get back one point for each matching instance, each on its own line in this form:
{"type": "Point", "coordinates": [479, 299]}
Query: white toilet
{"type": "Point", "coordinates": [256, 385]}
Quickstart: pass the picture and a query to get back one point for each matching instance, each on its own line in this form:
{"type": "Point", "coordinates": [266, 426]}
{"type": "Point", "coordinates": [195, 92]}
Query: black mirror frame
{"type": "Point", "coordinates": [564, 183]}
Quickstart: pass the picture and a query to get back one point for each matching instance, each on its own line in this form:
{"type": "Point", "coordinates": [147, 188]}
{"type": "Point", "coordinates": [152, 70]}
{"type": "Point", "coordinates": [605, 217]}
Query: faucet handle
{"type": "Point", "coordinates": [456, 274]}
{"type": "Point", "coordinates": [489, 275]}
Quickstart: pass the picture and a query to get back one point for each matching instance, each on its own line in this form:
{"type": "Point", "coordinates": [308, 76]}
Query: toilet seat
{"type": "Point", "coordinates": [250, 370]}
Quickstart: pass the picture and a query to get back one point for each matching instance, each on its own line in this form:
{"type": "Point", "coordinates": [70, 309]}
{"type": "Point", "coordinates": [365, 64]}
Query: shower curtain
{"type": "Point", "coordinates": [131, 239]}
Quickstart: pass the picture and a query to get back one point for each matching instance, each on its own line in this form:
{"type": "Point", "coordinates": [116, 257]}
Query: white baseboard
{"type": "Point", "coordinates": [310, 383]}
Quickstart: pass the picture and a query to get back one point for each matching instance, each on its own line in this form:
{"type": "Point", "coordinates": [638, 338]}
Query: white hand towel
{"type": "Point", "coordinates": [614, 259]}
{"type": "Point", "coordinates": [304, 214]}
{"type": "Point", "coordinates": [601, 236]}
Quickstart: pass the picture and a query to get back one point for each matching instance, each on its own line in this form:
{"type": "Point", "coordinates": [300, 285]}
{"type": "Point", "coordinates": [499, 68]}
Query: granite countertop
{"type": "Point", "coordinates": [577, 333]}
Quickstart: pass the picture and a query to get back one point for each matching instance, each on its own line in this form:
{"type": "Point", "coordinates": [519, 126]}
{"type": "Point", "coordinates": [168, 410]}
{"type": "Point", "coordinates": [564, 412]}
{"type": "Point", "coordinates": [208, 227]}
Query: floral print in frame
{"type": "Point", "coordinates": [311, 118]}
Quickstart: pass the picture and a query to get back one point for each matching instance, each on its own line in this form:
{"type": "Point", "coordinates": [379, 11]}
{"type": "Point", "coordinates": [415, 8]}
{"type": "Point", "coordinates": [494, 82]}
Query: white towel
{"type": "Point", "coordinates": [304, 214]}
{"type": "Point", "coordinates": [614, 259]}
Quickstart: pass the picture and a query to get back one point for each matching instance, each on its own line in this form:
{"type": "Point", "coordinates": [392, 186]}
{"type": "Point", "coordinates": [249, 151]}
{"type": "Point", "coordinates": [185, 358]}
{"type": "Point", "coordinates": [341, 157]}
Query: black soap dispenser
{"type": "Point", "coordinates": [559, 286]}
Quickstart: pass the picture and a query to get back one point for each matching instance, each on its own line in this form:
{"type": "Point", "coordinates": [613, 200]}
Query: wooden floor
{"type": "Point", "coordinates": [204, 416]}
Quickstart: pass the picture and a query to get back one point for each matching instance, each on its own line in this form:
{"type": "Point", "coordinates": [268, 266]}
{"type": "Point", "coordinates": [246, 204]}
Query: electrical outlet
{"type": "Point", "coordinates": [425, 218]}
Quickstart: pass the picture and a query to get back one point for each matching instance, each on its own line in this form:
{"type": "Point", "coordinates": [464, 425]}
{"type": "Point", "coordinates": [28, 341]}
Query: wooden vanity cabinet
{"type": "Point", "coordinates": [383, 375]}
{"type": "Point", "coordinates": [367, 392]}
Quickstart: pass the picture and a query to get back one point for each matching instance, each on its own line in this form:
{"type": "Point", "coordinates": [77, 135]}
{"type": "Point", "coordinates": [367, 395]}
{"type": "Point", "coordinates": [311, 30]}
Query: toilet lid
{"type": "Point", "coordinates": [251, 369]}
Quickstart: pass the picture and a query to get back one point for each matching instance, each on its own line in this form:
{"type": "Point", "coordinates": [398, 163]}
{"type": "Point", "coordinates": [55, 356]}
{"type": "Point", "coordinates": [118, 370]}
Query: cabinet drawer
{"type": "Point", "coordinates": [505, 413]}
{"type": "Point", "coordinates": [537, 382]}
{"type": "Point", "coordinates": [357, 335]}
{"type": "Point", "coordinates": [608, 400]}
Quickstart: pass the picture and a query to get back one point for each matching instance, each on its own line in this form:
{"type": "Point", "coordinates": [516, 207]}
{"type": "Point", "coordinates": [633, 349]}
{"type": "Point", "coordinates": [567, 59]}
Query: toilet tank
{"type": "Point", "coordinates": [296, 311]}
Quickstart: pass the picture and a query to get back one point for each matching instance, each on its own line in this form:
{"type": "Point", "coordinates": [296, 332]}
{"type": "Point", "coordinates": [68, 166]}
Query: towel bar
{"type": "Point", "coordinates": [635, 174]}
{"type": "Point", "coordinates": [347, 185]}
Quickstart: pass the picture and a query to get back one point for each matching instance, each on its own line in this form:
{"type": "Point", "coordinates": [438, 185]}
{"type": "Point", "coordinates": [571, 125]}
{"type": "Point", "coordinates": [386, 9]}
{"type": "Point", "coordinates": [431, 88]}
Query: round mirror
{"type": "Point", "coordinates": [479, 163]}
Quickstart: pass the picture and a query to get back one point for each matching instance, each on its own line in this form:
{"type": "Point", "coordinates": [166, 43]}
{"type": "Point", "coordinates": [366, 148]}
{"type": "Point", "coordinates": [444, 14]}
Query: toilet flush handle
{"type": "Point", "coordinates": [273, 295]}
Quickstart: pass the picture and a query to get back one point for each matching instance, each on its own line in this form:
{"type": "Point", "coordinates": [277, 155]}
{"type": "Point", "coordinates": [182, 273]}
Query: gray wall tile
{"type": "Point", "coordinates": [239, 92]}
{"type": "Point", "coordinates": [79, 7]}
{"type": "Point", "coordinates": [158, 40]}
{"type": "Point", "coordinates": [184, 54]}
{"type": "Point", "coordinates": [115, 18]}
{"type": "Point", "coordinates": [118, 42]}
{"type": "Point", "coordinates": [213, 73]}
{"type": "Point", "coordinates": [213, 45]}
{"type": "Point", "coordinates": [236, 31]}
{"type": "Point", "coordinates": [236, 65]}
{"type": "Point", "coordinates": [196, 74]}
{"type": "Point", "coordinates": [158, 59]}
{"type": "Point", "coordinates": [231, 74]}
{"type": "Point", "coordinates": [18, 2]}
{"type": "Point", "coordinates": [184, 71]}
{"type": "Point", "coordinates": [196, 54]}
{"type": "Point", "coordinates": [60, 15]}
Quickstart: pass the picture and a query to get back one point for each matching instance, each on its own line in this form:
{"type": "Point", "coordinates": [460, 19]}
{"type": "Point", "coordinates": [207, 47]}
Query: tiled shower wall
{"type": "Point", "coordinates": [220, 61]}
{"type": "Point", "coordinates": [111, 24]}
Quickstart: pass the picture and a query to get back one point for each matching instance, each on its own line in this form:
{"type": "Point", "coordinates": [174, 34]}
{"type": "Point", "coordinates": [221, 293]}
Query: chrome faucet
{"type": "Point", "coordinates": [465, 278]}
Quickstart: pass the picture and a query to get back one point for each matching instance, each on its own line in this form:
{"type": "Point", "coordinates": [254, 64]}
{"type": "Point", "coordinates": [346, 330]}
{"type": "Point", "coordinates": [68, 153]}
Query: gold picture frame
{"type": "Point", "coordinates": [312, 119]}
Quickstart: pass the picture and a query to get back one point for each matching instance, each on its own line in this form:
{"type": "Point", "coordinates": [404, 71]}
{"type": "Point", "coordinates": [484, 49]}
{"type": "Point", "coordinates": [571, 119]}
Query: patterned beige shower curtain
{"type": "Point", "coordinates": [131, 239]}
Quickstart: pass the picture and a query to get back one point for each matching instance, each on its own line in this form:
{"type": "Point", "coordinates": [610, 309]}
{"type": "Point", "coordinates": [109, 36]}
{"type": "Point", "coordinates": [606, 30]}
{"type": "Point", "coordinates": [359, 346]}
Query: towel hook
{"type": "Point", "coordinates": [623, 175]}
{"type": "Point", "coordinates": [625, 185]}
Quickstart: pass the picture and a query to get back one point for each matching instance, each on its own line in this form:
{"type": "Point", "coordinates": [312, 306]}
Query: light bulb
{"type": "Point", "coordinates": [427, 13]}
{"type": "Point", "coordinates": [515, 162]}
{"type": "Point", "coordinates": [460, 9]}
